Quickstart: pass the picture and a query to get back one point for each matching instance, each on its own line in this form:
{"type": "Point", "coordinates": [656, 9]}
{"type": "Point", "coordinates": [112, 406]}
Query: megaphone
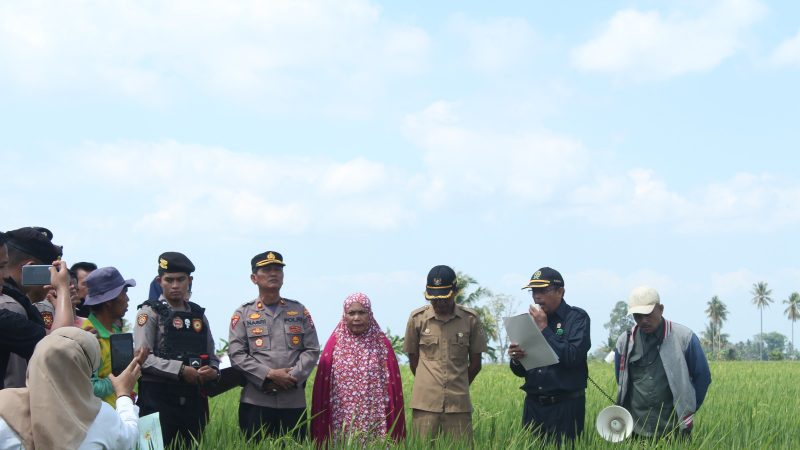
{"type": "Point", "coordinates": [614, 423]}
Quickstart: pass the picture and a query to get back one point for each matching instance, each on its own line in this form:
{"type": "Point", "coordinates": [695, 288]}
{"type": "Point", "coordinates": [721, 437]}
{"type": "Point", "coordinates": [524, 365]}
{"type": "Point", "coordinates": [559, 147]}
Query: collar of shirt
{"type": "Point", "coordinates": [561, 312]}
{"type": "Point", "coordinates": [101, 330]}
{"type": "Point", "coordinates": [431, 314]}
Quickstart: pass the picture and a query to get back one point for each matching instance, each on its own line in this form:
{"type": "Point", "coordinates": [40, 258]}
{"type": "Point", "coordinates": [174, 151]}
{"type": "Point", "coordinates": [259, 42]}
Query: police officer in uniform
{"type": "Point", "coordinates": [444, 342]}
{"type": "Point", "coordinates": [273, 341]}
{"type": "Point", "coordinates": [182, 359]}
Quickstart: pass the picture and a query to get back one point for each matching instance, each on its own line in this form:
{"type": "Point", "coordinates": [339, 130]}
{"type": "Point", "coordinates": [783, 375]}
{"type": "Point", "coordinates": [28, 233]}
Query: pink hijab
{"type": "Point", "coordinates": [357, 389]}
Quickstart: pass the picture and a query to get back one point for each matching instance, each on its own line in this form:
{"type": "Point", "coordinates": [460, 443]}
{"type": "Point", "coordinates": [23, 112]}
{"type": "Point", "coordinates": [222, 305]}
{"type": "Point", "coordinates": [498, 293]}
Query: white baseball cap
{"type": "Point", "coordinates": [642, 300]}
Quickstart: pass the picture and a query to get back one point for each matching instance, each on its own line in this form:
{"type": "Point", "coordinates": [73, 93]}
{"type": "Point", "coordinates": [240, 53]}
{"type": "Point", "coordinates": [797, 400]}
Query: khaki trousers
{"type": "Point", "coordinates": [457, 425]}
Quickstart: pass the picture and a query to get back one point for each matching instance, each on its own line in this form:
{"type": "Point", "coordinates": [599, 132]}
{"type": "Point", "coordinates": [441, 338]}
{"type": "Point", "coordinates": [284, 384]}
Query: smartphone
{"type": "Point", "coordinates": [121, 352]}
{"type": "Point", "coordinates": [35, 275]}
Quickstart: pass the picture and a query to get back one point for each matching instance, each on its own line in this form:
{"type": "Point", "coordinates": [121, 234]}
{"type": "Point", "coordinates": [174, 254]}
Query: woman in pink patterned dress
{"type": "Point", "coordinates": [357, 389]}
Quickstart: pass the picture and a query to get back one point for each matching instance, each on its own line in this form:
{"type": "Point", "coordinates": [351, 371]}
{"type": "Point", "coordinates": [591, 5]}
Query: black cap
{"type": "Point", "coordinates": [35, 242]}
{"type": "Point", "coordinates": [265, 259]}
{"type": "Point", "coordinates": [174, 262]}
{"type": "Point", "coordinates": [545, 277]}
{"type": "Point", "coordinates": [441, 282]}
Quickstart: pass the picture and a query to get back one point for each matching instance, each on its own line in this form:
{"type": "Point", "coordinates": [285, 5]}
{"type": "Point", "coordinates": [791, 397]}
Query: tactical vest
{"type": "Point", "coordinates": [185, 333]}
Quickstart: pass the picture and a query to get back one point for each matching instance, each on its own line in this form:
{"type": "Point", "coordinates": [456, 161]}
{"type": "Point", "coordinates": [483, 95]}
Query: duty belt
{"type": "Point", "coordinates": [553, 399]}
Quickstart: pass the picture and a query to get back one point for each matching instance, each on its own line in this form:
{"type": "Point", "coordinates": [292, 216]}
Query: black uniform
{"type": "Point", "coordinates": [555, 400]}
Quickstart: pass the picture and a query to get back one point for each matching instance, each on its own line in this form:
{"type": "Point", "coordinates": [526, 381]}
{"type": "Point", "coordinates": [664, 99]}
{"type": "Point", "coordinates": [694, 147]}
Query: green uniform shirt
{"type": "Point", "coordinates": [650, 399]}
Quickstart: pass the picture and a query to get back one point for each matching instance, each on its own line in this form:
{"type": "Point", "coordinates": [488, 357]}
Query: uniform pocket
{"type": "Point", "coordinates": [258, 339]}
{"type": "Point", "coordinates": [429, 347]}
{"type": "Point", "coordinates": [294, 334]}
{"type": "Point", "coordinates": [460, 345]}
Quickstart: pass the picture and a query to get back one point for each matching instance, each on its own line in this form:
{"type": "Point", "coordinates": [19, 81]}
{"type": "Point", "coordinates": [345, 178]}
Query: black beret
{"type": "Point", "coordinates": [35, 242]}
{"type": "Point", "coordinates": [174, 262]}
{"type": "Point", "coordinates": [3, 238]}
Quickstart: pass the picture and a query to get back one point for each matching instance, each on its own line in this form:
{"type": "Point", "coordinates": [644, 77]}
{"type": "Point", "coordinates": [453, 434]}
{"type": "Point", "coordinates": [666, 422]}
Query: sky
{"type": "Point", "coordinates": [622, 143]}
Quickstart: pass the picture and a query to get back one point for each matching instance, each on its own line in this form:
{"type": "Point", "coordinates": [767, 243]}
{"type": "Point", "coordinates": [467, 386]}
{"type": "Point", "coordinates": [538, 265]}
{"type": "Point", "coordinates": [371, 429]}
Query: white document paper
{"type": "Point", "coordinates": [523, 331]}
{"type": "Point", "coordinates": [150, 433]}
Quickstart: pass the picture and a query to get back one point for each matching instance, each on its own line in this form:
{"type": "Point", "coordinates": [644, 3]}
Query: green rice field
{"type": "Point", "coordinates": [750, 405]}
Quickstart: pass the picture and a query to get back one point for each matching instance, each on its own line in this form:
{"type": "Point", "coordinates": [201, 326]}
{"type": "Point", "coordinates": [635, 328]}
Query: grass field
{"type": "Point", "coordinates": [750, 405]}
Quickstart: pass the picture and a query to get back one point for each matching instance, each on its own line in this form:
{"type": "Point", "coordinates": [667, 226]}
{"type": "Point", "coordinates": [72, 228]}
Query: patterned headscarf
{"type": "Point", "coordinates": [359, 395]}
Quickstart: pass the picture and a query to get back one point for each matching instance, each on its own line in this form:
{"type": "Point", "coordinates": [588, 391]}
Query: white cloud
{"type": "Point", "coordinates": [464, 160]}
{"type": "Point", "coordinates": [250, 50]}
{"type": "Point", "coordinates": [495, 44]}
{"type": "Point", "coordinates": [745, 202]}
{"type": "Point", "coordinates": [181, 187]}
{"type": "Point", "coordinates": [788, 52]}
{"type": "Point", "coordinates": [649, 45]}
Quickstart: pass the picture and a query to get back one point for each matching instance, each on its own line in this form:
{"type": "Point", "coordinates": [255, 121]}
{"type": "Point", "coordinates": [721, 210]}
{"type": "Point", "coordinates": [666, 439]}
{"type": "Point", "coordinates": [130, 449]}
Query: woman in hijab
{"type": "Point", "coordinates": [357, 389]}
{"type": "Point", "coordinates": [58, 409]}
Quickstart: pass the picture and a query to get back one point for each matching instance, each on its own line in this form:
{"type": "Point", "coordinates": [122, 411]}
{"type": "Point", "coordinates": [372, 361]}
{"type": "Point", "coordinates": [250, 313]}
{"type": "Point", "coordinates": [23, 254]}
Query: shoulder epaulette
{"type": "Point", "coordinates": [420, 310]}
{"type": "Point", "coordinates": [157, 306]}
{"type": "Point", "coordinates": [288, 300]}
{"type": "Point", "coordinates": [469, 310]}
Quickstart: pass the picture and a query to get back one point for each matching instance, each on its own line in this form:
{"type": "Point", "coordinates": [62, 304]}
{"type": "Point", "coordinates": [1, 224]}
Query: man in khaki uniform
{"type": "Point", "coordinates": [273, 342]}
{"type": "Point", "coordinates": [182, 358]}
{"type": "Point", "coordinates": [444, 342]}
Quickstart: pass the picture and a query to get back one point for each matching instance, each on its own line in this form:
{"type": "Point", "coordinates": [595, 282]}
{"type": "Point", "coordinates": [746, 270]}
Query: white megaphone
{"type": "Point", "coordinates": [614, 423]}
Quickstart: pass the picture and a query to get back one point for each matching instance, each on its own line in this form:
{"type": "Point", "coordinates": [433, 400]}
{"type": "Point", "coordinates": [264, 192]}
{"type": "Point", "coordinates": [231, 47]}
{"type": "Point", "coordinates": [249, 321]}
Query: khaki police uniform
{"type": "Point", "coordinates": [182, 407]}
{"type": "Point", "coordinates": [261, 340]}
{"type": "Point", "coordinates": [440, 395]}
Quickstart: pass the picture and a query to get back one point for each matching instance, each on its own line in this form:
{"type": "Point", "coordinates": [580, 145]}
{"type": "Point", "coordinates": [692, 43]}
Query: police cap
{"type": "Point", "coordinates": [265, 259]}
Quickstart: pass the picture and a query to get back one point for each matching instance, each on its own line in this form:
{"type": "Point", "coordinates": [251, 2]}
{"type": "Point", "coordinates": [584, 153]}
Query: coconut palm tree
{"type": "Point", "coordinates": [761, 298]}
{"type": "Point", "coordinates": [793, 313]}
{"type": "Point", "coordinates": [717, 313]}
{"type": "Point", "coordinates": [471, 298]}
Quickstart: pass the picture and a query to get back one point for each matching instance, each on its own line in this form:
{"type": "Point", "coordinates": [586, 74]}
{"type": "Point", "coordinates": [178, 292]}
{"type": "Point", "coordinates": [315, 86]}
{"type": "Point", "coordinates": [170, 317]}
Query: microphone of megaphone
{"type": "Point", "coordinates": [614, 423]}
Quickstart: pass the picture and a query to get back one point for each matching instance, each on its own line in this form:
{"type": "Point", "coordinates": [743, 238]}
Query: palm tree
{"type": "Point", "coordinates": [761, 298]}
{"type": "Point", "coordinates": [717, 313]}
{"type": "Point", "coordinates": [793, 313]}
{"type": "Point", "coordinates": [471, 299]}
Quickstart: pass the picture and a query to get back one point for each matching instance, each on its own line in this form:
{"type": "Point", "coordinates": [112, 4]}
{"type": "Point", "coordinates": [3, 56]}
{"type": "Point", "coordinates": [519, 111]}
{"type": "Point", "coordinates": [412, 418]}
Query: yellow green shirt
{"type": "Point", "coordinates": [100, 381]}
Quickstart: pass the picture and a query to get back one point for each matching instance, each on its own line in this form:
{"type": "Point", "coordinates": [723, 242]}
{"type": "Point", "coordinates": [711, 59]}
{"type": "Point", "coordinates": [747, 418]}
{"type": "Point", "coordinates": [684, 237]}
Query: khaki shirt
{"type": "Point", "coordinates": [17, 365]}
{"type": "Point", "coordinates": [149, 332]}
{"type": "Point", "coordinates": [441, 382]}
{"type": "Point", "coordinates": [260, 341]}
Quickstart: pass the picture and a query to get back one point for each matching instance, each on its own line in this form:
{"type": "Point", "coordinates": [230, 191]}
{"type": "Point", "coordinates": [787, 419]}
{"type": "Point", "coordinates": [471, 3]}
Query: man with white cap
{"type": "Point", "coordinates": [661, 369]}
{"type": "Point", "coordinates": [107, 298]}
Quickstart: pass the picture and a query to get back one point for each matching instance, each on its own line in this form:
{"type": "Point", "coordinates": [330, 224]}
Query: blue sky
{"type": "Point", "coordinates": [623, 144]}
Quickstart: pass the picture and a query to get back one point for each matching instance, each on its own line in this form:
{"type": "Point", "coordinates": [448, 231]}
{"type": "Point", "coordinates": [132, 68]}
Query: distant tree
{"type": "Point", "coordinates": [618, 322]}
{"type": "Point", "coordinates": [223, 347]}
{"type": "Point", "coordinates": [500, 306]}
{"type": "Point", "coordinates": [717, 313]}
{"type": "Point", "coordinates": [397, 342]}
{"type": "Point", "coordinates": [472, 298]}
{"type": "Point", "coordinates": [793, 313]}
{"type": "Point", "coordinates": [774, 341]}
{"type": "Point", "coordinates": [712, 337]}
{"type": "Point", "coordinates": [761, 298]}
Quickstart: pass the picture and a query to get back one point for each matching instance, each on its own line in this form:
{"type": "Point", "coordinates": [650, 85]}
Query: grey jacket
{"type": "Point", "coordinates": [684, 363]}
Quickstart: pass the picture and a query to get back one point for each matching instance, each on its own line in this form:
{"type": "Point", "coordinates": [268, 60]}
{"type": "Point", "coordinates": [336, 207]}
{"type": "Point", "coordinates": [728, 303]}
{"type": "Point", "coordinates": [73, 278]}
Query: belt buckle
{"type": "Point", "coordinates": [547, 399]}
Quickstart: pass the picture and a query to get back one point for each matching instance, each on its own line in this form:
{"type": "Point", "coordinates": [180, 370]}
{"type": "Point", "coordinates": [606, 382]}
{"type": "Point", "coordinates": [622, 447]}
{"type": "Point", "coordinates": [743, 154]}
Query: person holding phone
{"type": "Point", "coordinates": [25, 247]}
{"type": "Point", "coordinates": [108, 299]}
{"type": "Point", "coordinates": [183, 357]}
